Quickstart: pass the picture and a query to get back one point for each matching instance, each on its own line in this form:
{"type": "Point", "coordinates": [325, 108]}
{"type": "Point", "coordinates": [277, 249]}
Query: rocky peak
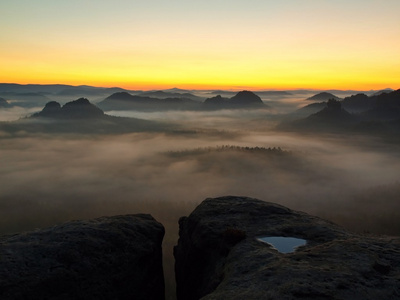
{"type": "Point", "coordinates": [323, 96]}
{"type": "Point", "coordinates": [357, 103]}
{"type": "Point", "coordinates": [81, 108]}
{"type": "Point", "coordinates": [333, 104]}
{"type": "Point", "coordinates": [216, 100]}
{"type": "Point", "coordinates": [51, 108]}
{"type": "Point", "coordinates": [246, 97]}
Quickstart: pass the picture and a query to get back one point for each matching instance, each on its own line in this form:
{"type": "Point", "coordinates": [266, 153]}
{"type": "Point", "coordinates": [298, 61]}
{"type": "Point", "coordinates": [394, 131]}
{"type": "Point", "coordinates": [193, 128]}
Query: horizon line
{"type": "Point", "coordinates": [232, 88]}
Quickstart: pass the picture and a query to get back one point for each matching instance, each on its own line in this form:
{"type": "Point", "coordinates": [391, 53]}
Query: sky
{"type": "Point", "coordinates": [257, 44]}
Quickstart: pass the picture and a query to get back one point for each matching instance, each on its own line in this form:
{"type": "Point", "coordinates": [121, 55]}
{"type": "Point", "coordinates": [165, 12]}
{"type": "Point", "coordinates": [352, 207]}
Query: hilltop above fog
{"type": "Point", "coordinates": [78, 109]}
{"type": "Point", "coordinates": [323, 96]}
{"type": "Point", "coordinates": [36, 95]}
{"type": "Point", "coordinates": [78, 117]}
{"type": "Point", "coordinates": [243, 99]}
{"type": "Point", "coordinates": [378, 114]}
{"type": "Point", "coordinates": [126, 101]}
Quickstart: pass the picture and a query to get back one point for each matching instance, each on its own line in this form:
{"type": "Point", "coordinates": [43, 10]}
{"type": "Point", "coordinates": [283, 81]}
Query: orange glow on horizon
{"type": "Point", "coordinates": [198, 86]}
{"type": "Point", "coordinates": [271, 45]}
{"type": "Point", "coordinates": [360, 86]}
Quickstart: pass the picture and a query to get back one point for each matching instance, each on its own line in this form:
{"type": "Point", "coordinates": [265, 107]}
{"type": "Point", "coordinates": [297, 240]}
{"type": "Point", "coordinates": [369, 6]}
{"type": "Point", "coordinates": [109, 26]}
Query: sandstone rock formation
{"type": "Point", "coordinates": [78, 109]}
{"type": "Point", "coordinates": [324, 96]}
{"type": "Point", "coordinates": [246, 98]}
{"type": "Point", "coordinates": [142, 102]}
{"type": "Point", "coordinates": [106, 258]}
{"type": "Point", "coordinates": [243, 99]}
{"type": "Point", "coordinates": [218, 256]}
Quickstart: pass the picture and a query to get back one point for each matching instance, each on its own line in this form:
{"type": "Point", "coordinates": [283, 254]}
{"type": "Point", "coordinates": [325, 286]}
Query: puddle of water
{"type": "Point", "coordinates": [283, 244]}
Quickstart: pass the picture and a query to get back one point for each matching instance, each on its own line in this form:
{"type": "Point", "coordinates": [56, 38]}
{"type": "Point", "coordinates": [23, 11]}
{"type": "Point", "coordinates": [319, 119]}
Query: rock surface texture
{"type": "Point", "coordinates": [218, 256]}
{"type": "Point", "coordinates": [106, 258]}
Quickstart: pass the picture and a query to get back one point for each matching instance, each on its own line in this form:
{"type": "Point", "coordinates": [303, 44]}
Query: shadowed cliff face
{"type": "Point", "coordinates": [219, 256]}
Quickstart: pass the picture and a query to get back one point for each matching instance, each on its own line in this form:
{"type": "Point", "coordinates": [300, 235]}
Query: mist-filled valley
{"type": "Point", "coordinates": [47, 179]}
{"type": "Point", "coordinates": [51, 177]}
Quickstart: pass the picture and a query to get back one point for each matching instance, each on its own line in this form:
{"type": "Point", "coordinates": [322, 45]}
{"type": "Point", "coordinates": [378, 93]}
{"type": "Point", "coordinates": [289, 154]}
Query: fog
{"type": "Point", "coordinates": [16, 113]}
{"type": "Point", "coordinates": [48, 179]}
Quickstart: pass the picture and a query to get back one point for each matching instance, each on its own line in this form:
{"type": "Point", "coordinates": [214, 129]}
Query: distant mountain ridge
{"type": "Point", "coordinates": [63, 88]}
{"type": "Point", "coordinates": [360, 103]}
{"type": "Point", "coordinates": [271, 93]}
{"type": "Point", "coordinates": [54, 88]}
{"type": "Point", "coordinates": [379, 114]}
{"type": "Point", "coordinates": [387, 90]}
{"type": "Point", "coordinates": [163, 95]}
{"type": "Point", "coordinates": [34, 95]}
{"type": "Point", "coordinates": [126, 101]}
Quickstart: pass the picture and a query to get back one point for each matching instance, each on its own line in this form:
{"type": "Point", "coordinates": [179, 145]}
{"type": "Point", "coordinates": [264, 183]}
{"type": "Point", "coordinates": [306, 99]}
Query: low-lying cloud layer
{"type": "Point", "coordinates": [108, 174]}
{"type": "Point", "coordinates": [16, 113]}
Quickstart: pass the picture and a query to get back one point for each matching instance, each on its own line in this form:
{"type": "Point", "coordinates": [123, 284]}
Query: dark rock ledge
{"type": "Point", "coordinates": [106, 258]}
{"type": "Point", "coordinates": [218, 256]}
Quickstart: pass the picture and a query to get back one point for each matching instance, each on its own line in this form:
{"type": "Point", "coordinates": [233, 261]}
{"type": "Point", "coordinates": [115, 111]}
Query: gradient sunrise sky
{"type": "Point", "coordinates": [257, 44]}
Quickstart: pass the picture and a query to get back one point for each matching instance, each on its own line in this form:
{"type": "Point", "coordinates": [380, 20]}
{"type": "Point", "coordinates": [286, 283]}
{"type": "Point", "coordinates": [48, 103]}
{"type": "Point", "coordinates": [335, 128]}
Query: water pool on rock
{"type": "Point", "coordinates": [283, 244]}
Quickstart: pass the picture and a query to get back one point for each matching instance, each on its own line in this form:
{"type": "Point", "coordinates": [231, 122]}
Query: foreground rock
{"type": "Point", "coordinates": [106, 258]}
{"type": "Point", "coordinates": [218, 256]}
